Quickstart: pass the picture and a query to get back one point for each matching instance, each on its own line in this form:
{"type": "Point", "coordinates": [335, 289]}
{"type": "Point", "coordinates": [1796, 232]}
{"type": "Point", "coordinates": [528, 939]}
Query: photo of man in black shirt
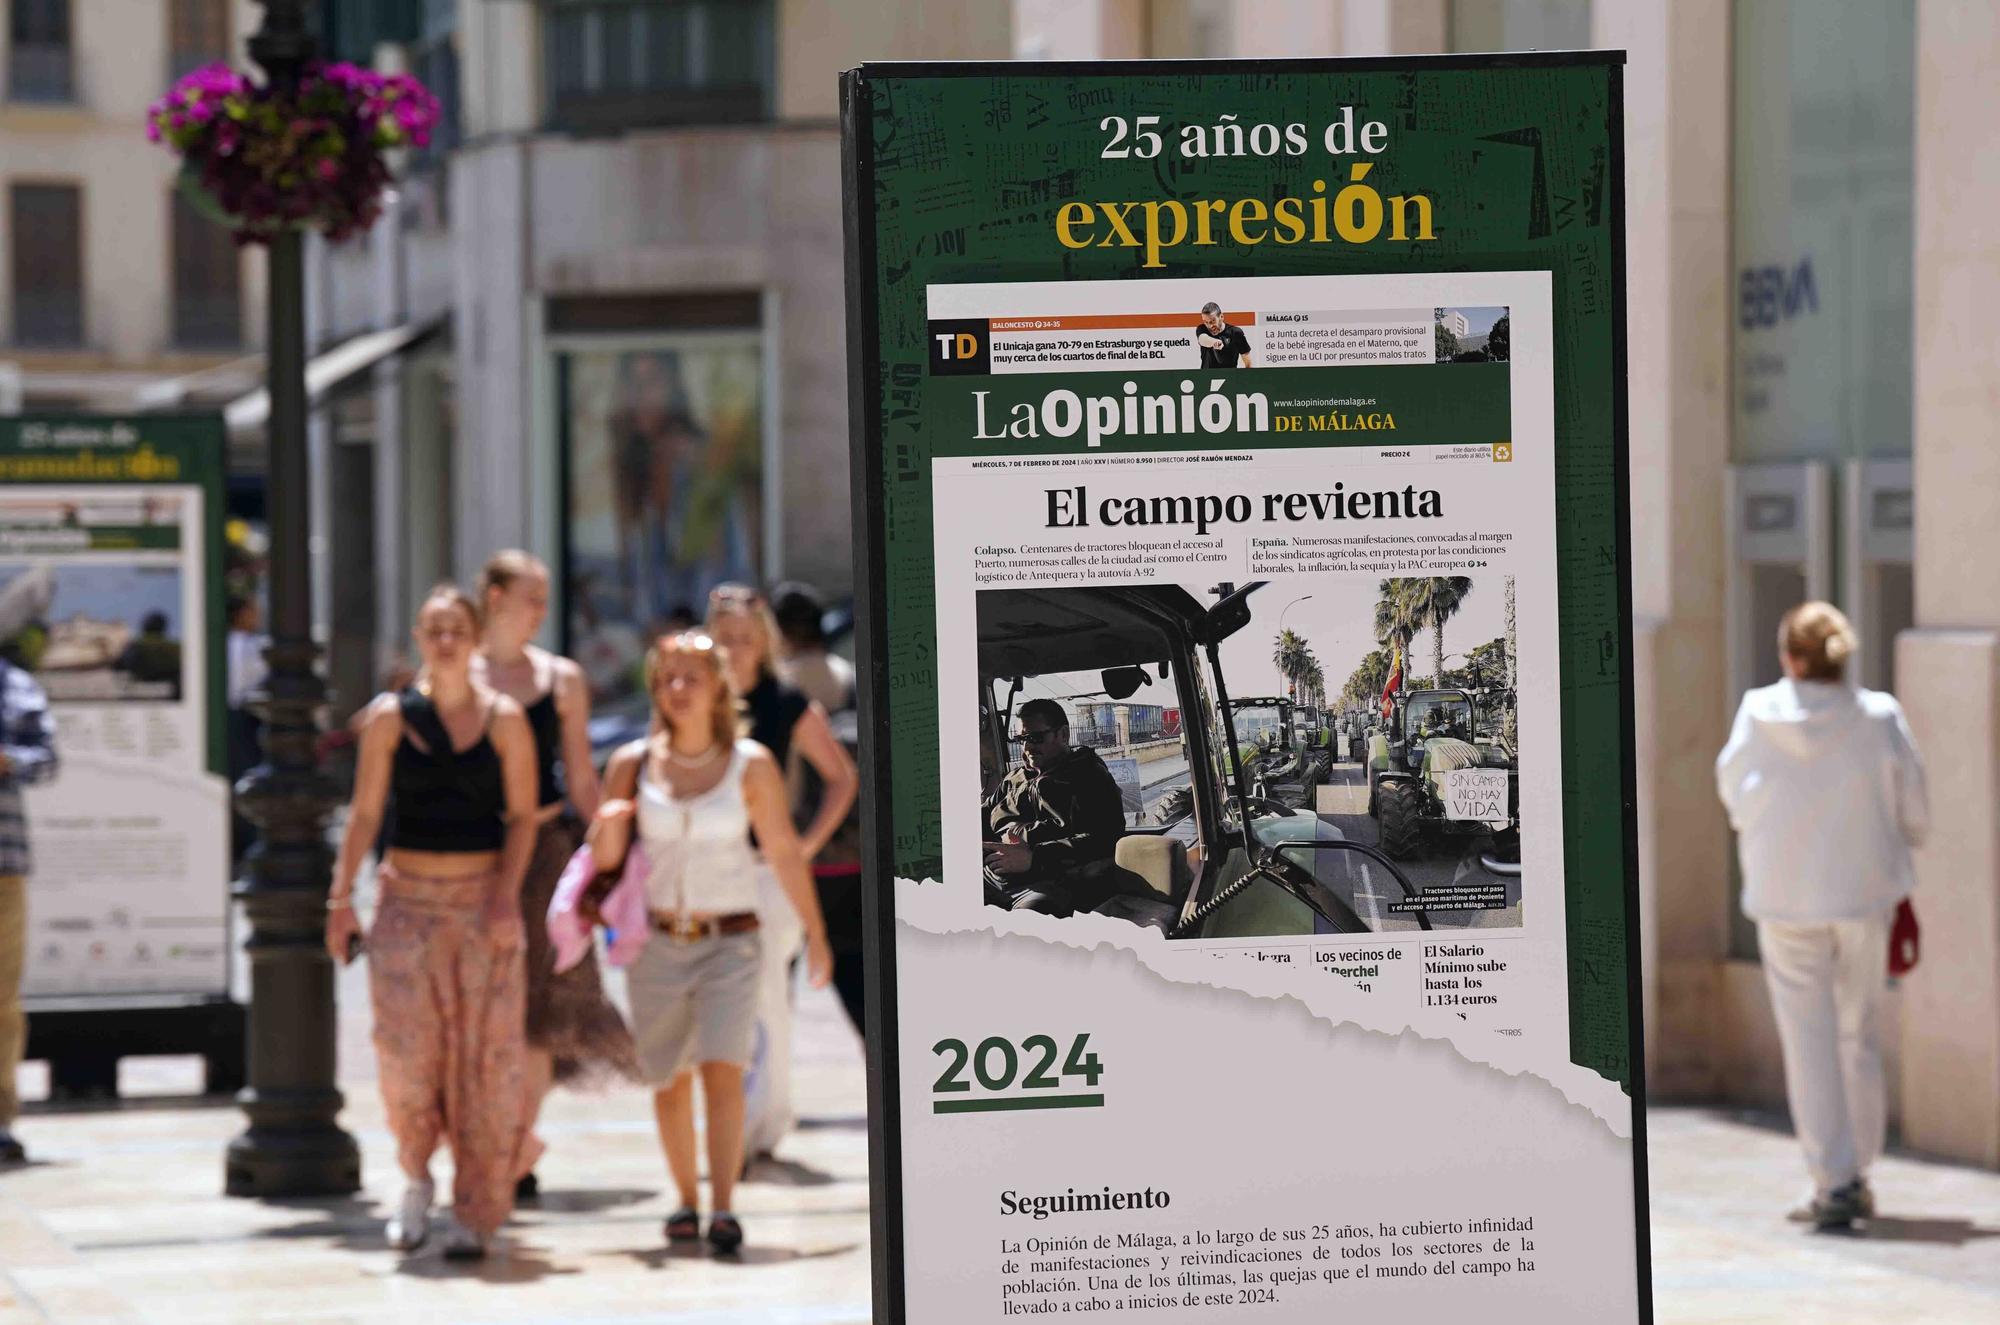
{"type": "Point", "coordinates": [1222, 346]}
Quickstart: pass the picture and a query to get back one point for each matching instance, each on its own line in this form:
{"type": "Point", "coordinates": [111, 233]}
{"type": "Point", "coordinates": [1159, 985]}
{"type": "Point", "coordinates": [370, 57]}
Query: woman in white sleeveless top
{"type": "Point", "coordinates": [696, 791]}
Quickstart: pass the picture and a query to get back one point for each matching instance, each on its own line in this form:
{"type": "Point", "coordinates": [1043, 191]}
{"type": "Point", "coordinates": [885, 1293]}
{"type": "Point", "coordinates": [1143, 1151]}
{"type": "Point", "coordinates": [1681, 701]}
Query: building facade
{"type": "Point", "coordinates": [637, 220]}
{"type": "Point", "coordinates": [115, 293]}
{"type": "Point", "coordinates": [608, 312]}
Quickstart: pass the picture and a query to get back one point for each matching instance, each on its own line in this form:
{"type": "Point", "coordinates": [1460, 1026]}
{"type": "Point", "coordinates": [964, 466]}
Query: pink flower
{"type": "Point", "coordinates": [329, 169]}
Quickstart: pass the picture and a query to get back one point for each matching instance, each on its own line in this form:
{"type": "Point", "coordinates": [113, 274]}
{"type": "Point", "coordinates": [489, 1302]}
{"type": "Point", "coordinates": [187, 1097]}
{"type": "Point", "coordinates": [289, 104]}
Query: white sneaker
{"type": "Point", "coordinates": [462, 1244]}
{"type": "Point", "coordinates": [411, 1223]}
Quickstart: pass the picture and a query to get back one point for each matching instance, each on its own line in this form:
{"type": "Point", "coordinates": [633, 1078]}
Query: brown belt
{"type": "Point", "coordinates": [684, 929]}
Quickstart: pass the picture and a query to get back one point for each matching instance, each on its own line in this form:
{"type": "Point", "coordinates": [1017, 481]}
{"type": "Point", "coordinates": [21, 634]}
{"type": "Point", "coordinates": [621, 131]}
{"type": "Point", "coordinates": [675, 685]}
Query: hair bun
{"type": "Point", "coordinates": [1819, 638]}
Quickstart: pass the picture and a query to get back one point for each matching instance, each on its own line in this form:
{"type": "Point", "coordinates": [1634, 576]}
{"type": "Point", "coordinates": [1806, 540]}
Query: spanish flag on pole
{"type": "Point", "coordinates": [1393, 684]}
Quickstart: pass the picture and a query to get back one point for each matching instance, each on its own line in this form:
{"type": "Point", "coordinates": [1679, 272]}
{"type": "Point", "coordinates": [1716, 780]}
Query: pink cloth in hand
{"type": "Point", "coordinates": [624, 910]}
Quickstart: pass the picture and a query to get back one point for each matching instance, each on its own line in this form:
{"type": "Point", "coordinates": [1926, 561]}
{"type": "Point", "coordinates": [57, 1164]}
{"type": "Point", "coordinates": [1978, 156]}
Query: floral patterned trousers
{"type": "Point", "coordinates": [449, 1040]}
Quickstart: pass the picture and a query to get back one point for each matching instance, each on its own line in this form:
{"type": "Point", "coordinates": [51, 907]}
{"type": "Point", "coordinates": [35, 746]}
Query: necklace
{"type": "Point", "coordinates": [702, 760]}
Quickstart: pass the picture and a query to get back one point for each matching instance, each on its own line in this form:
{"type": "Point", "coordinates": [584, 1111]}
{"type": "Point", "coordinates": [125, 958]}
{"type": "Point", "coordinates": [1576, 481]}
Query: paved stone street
{"type": "Point", "coordinates": [119, 1221]}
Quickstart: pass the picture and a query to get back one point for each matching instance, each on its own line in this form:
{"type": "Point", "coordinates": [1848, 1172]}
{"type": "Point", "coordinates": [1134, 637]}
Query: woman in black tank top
{"type": "Point", "coordinates": [575, 1035]}
{"type": "Point", "coordinates": [445, 972]}
{"type": "Point", "coordinates": [788, 724]}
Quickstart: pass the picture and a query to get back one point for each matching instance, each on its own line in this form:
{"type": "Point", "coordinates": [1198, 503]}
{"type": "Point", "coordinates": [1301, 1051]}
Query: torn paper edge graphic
{"type": "Point", "coordinates": [934, 908]}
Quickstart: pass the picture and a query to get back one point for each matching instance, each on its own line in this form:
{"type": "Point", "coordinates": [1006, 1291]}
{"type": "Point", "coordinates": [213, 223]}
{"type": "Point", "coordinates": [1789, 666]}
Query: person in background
{"type": "Point", "coordinates": [245, 671]}
{"type": "Point", "coordinates": [27, 756]}
{"type": "Point", "coordinates": [693, 790]}
{"type": "Point", "coordinates": [1052, 826]}
{"type": "Point", "coordinates": [828, 680]}
{"type": "Point", "coordinates": [787, 723]}
{"type": "Point", "coordinates": [154, 657]}
{"type": "Point", "coordinates": [1825, 789]}
{"type": "Point", "coordinates": [1221, 344]}
{"type": "Point", "coordinates": [574, 1033]}
{"type": "Point", "coordinates": [445, 974]}
{"type": "Point", "coordinates": [243, 649]}
{"type": "Point", "coordinates": [825, 678]}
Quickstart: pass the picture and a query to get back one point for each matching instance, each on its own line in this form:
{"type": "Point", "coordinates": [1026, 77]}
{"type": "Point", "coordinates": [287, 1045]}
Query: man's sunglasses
{"type": "Point", "coordinates": [1034, 738]}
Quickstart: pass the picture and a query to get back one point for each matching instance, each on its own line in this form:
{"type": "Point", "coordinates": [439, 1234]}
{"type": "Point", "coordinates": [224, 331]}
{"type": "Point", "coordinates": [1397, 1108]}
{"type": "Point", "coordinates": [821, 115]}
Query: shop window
{"type": "Point", "coordinates": [662, 444]}
{"type": "Point", "coordinates": [1822, 295]}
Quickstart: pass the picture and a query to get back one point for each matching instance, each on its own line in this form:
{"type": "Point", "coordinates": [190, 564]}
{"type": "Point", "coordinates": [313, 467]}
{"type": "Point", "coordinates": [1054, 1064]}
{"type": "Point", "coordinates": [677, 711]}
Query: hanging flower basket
{"type": "Point", "coordinates": [263, 162]}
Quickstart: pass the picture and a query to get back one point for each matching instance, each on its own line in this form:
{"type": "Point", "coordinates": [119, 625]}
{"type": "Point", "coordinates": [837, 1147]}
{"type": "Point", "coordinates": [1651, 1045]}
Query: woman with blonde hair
{"type": "Point", "coordinates": [1825, 789]}
{"type": "Point", "coordinates": [788, 724]}
{"type": "Point", "coordinates": [574, 1033]}
{"type": "Point", "coordinates": [455, 764]}
{"type": "Point", "coordinates": [694, 791]}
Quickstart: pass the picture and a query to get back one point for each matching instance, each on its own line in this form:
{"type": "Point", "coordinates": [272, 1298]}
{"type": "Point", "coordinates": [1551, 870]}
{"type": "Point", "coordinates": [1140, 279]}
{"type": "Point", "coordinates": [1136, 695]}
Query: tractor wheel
{"type": "Point", "coordinates": [1400, 808]}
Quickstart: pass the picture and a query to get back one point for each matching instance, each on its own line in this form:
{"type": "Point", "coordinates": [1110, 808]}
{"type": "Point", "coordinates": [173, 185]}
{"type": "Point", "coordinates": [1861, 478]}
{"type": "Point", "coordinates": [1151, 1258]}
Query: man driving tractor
{"type": "Point", "coordinates": [1053, 824]}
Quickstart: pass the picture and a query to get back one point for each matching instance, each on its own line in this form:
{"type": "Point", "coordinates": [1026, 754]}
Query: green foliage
{"type": "Point", "coordinates": [1447, 345]}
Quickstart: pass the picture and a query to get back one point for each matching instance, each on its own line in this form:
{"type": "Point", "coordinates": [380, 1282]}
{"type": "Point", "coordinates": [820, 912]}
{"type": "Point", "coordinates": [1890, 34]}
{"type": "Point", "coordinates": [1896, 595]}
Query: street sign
{"type": "Point", "coordinates": [1178, 381]}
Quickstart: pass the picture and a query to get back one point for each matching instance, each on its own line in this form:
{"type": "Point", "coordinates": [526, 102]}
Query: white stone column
{"type": "Point", "coordinates": [1080, 30]}
{"type": "Point", "coordinates": [490, 464]}
{"type": "Point", "coordinates": [319, 440]}
{"type": "Point", "coordinates": [392, 518]}
{"type": "Point", "coordinates": [1949, 665]}
{"type": "Point", "coordinates": [1677, 189]}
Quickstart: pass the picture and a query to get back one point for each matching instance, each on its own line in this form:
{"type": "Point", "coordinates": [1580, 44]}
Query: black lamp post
{"type": "Point", "coordinates": [293, 1146]}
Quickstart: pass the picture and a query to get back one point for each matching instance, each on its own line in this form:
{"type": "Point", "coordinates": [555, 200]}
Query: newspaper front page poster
{"type": "Point", "coordinates": [110, 575]}
{"type": "Point", "coordinates": [1240, 465]}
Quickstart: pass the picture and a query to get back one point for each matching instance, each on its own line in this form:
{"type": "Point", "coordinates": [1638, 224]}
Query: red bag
{"type": "Point", "coordinates": [1903, 940]}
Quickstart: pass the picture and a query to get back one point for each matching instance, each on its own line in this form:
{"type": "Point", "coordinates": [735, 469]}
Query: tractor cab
{"type": "Point", "coordinates": [1435, 768]}
{"type": "Point", "coordinates": [1281, 765]}
{"type": "Point", "coordinates": [1200, 856]}
{"type": "Point", "coordinates": [1316, 738]}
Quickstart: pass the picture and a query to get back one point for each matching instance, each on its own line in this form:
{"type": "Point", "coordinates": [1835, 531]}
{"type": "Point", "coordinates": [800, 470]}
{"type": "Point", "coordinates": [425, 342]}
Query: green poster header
{"type": "Point", "coordinates": [135, 451]}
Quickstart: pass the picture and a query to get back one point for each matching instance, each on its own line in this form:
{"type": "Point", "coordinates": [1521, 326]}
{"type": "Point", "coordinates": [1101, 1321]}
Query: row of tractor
{"type": "Point", "coordinates": [1438, 762]}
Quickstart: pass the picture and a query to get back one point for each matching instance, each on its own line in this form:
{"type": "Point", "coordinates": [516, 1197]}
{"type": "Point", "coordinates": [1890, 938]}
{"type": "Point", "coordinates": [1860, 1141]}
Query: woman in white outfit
{"type": "Point", "coordinates": [1825, 789]}
{"type": "Point", "coordinates": [695, 791]}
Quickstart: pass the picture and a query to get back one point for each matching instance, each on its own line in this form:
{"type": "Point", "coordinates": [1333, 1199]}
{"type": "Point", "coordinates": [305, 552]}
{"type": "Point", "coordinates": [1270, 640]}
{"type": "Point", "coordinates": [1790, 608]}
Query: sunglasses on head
{"type": "Point", "coordinates": [691, 640]}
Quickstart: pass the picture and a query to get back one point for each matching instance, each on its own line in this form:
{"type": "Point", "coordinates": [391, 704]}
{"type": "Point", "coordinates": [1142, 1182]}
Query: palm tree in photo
{"type": "Point", "coordinates": [1436, 599]}
{"type": "Point", "coordinates": [1315, 683]}
{"type": "Point", "coordinates": [1364, 684]}
{"type": "Point", "coordinates": [1398, 617]}
{"type": "Point", "coordinates": [1303, 681]}
{"type": "Point", "coordinates": [1289, 657]}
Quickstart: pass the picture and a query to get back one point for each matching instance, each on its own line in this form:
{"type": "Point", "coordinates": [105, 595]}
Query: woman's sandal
{"type": "Point", "coordinates": [683, 1225]}
{"type": "Point", "coordinates": [725, 1235]}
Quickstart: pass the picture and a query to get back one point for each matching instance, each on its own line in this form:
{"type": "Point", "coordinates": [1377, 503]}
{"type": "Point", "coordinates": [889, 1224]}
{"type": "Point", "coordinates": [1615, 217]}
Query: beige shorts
{"type": "Point", "coordinates": [694, 1002]}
